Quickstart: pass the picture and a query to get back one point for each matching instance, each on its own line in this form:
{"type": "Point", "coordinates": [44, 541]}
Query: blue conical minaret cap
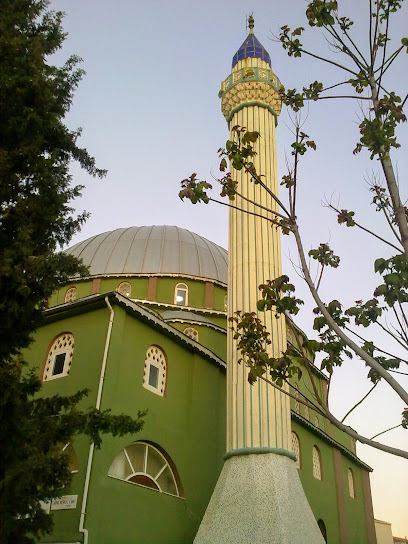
{"type": "Point", "coordinates": [251, 47]}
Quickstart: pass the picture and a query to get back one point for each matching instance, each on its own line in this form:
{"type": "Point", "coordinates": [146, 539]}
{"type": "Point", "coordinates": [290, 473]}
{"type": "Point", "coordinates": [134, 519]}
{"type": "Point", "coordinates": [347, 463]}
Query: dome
{"type": "Point", "coordinates": [152, 250]}
{"type": "Point", "coordinates": [251, 47]}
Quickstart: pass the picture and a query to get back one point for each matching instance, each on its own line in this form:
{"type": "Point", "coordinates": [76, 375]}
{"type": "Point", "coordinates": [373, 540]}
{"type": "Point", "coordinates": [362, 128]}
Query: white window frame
{"type": "Point", "coordinates": [54, 351]}
{"type": "Point", "coordinates": [181, 287]}
{"type": "Point", "coordinates": [156, 357]}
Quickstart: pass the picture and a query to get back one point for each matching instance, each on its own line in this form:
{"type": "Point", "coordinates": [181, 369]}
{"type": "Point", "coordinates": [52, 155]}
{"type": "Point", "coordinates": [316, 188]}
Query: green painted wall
{"type": "Point", "coordinates": [139, 286]}
{"type": "Point", "coordinates": [214, 340]}
{"type": "Point", "coordinates": [189, 423]}
{"type": "Point", "coordinates": [219, 298]}
{"type": "Point", "coordinates": [322, 495]}
{"type": "Point", "coordinates": [355, 508]}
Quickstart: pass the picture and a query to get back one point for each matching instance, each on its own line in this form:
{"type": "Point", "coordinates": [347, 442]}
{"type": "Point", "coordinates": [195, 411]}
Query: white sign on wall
{"type": "Point", "coordinates": [66, 502]}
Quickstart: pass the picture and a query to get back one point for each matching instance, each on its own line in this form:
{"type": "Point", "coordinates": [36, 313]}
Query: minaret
{"type": "Point", "coordinates": [258, 497]}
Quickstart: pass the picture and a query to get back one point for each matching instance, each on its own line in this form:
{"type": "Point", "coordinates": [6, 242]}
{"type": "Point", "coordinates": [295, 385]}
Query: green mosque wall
{"type": "Point", "coordinates": [211, 338]}
{"type": "Point", "coordinates": [188, 423]}
{"type": "Point", "coordinates": [321, 494]}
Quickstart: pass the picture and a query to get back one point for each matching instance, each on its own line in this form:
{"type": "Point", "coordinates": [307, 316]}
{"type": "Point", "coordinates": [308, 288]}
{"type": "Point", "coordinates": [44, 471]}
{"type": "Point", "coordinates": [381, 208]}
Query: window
{"type": "Point", "coordinates": [124, 289]}
{"type": "Point", "coordinates": [59, 358]}
{"type": "Point", "coordinates": [351, 485]}
{"type": "Point", "coordinates": [226, 303]}
{"type": "Point", "coordinates": [155, 371]}
{"type": "Point", "coordinates": [73, 459]}
{"type": "Point", "coordinates": [316, 421]}
{"type": "Point", "coordinates": [297, 405]}
{"type": "Point", "coordinates": [317, 463]}
{"type": "Point", "coordinates": [307, 412]}
{"type": "Point", "coordinates": [181, 294]}
{"type": "Point", "coordinates": [191, 332]}
{"type": "Point", "coordinates": [296, 448]}
{"type": "Point", "coordinates": [322, 528]}
{"type": "Point", "coordinates": [147, 465]}
{"type": "Point", "coordinates": [70, 294]}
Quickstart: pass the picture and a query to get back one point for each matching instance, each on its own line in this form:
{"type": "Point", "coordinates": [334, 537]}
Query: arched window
{"type": "Point", "coordinates": [306, 412]}
{"type": "Point", "coordinates": [155, 371]}
{"type": "Point", "coordinates": [351, 484]}
{"type": "Point", "coordinates": [73, 459]}
{"type": "Point", "coordinates": [322, 528]}
{"type": "Point", "coordinates": [124, 288]}
{"type": "Point", "coordinates": [296, 449]}
{"type": "Point", "coordinates": [317, 463]}
{"type": "Point", "coordinates": [145, 464]}
{"type": "Point", "coordinates": [70, 294]}
{"type": "Point", "coordinates": [296, 393]}
{"type": "Point", "coordinates": [191, 332]}
{"type": "Point", "coordinates": [226, 303]}
{"type": "Point", "coordinates": [181, 294]}
{"type": "Point", "coordinates": [59, 357]}
{"type": "Point", "coordinates": [316, 421]}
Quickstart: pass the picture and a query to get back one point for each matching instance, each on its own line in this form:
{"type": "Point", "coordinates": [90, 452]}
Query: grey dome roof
{"type": "Point", "coordinates": [152, 250]}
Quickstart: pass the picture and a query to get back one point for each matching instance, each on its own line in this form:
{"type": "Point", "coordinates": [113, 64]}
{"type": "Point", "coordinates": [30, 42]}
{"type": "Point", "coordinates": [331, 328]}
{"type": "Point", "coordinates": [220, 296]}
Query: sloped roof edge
{"type": "Point", "coordinates": [146, 314]}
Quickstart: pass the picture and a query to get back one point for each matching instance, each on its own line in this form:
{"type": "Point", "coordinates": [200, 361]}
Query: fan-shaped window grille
{"type": "Point", "coordinates": [317, 463]}
{"type": "Point", "coordinates": [296, 393]}
{"type": "Point", "coordinates": [143, 464]}
{"type": "Point", "coordinates": [316, 421]}
{"type": "Point", "coordinates": [296, 448]}
{"type": "Point", "coordinates": [306, 412]}
{"type": "Point", "coordinates": [70, 294]}
{"type": "Point", "coordinates": [59, 357]}
{"type": "Point", "coordinates": [73, 459]}
{"type": "Point", "coordinates": [351, 486]}
{"type": "Point", "coordinates": [181, 294]}
{"type": "Point", "coordinates": [124, 288]}
{"type": "Point", "coordinates": [191, 332]}
{"type": "Point", "coordinates": [155, 371]}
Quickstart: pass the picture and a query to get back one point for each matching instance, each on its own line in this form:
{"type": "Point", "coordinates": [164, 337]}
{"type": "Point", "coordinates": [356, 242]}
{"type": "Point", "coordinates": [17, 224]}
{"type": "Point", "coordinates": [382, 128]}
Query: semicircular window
{"type": "Point", "coordinates": [124, 288]}
{"type": "Point", "coordinates": [144, 464]}
{"type": "Point", "coordinates": [192, 333]}
{"type": "Point", "coordinates": [70, 294]}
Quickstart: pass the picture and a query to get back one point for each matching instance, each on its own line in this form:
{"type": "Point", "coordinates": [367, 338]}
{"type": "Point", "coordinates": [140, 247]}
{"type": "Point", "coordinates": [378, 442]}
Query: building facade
{"type": "Point", "coordinates": [147, 330]}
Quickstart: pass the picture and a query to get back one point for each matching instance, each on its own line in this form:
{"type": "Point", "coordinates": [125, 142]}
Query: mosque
{"type": "Point", "coordinates": [218, 460]}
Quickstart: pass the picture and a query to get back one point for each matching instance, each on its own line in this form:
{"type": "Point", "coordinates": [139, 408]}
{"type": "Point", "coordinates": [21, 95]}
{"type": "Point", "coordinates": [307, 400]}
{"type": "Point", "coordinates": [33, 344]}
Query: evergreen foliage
{"type": "Point", "coordinates": [36, 150]}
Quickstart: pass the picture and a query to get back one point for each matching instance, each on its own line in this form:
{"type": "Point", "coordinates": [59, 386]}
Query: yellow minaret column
{"type": "Point", "coordinates": [258, 497]}
{"type": "Point", "coordinates": [258, 415]}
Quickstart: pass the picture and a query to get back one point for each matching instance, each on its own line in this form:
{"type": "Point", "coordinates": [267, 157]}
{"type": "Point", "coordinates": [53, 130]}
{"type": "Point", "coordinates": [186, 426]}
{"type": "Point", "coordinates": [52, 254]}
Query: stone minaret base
{"type": "Point", "coordinates": [259, 499]}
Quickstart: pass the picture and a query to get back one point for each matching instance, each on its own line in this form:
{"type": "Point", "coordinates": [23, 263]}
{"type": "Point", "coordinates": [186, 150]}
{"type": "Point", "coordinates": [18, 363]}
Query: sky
{"type": "Point", "coordinates": [150, 114]}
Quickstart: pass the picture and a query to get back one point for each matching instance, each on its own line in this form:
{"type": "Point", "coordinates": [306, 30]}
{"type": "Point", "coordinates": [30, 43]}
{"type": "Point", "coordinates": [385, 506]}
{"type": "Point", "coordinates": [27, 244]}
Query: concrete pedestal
{"type": "Point", "coordinates": [259, 499]}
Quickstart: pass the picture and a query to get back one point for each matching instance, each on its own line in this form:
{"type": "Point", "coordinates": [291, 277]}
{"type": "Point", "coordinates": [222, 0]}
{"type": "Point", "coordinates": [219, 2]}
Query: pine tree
{"type": "Point", "coordinates": [36, 150]}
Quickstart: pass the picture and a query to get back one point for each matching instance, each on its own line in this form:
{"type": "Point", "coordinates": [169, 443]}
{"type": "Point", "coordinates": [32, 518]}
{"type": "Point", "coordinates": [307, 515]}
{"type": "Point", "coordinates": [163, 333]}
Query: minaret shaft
{"type": "Point", "coordinates": [258, 415]}
{"type": "Point", "coordinates": [258, 498]}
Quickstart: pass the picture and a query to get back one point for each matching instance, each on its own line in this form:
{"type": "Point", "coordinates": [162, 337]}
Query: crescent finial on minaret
{"type": "Point", "coordinates": [251, 23]}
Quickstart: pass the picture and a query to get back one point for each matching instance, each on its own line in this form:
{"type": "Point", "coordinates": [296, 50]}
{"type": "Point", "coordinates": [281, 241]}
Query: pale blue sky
{"type": "Point", "coordinates": [151, 115]}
